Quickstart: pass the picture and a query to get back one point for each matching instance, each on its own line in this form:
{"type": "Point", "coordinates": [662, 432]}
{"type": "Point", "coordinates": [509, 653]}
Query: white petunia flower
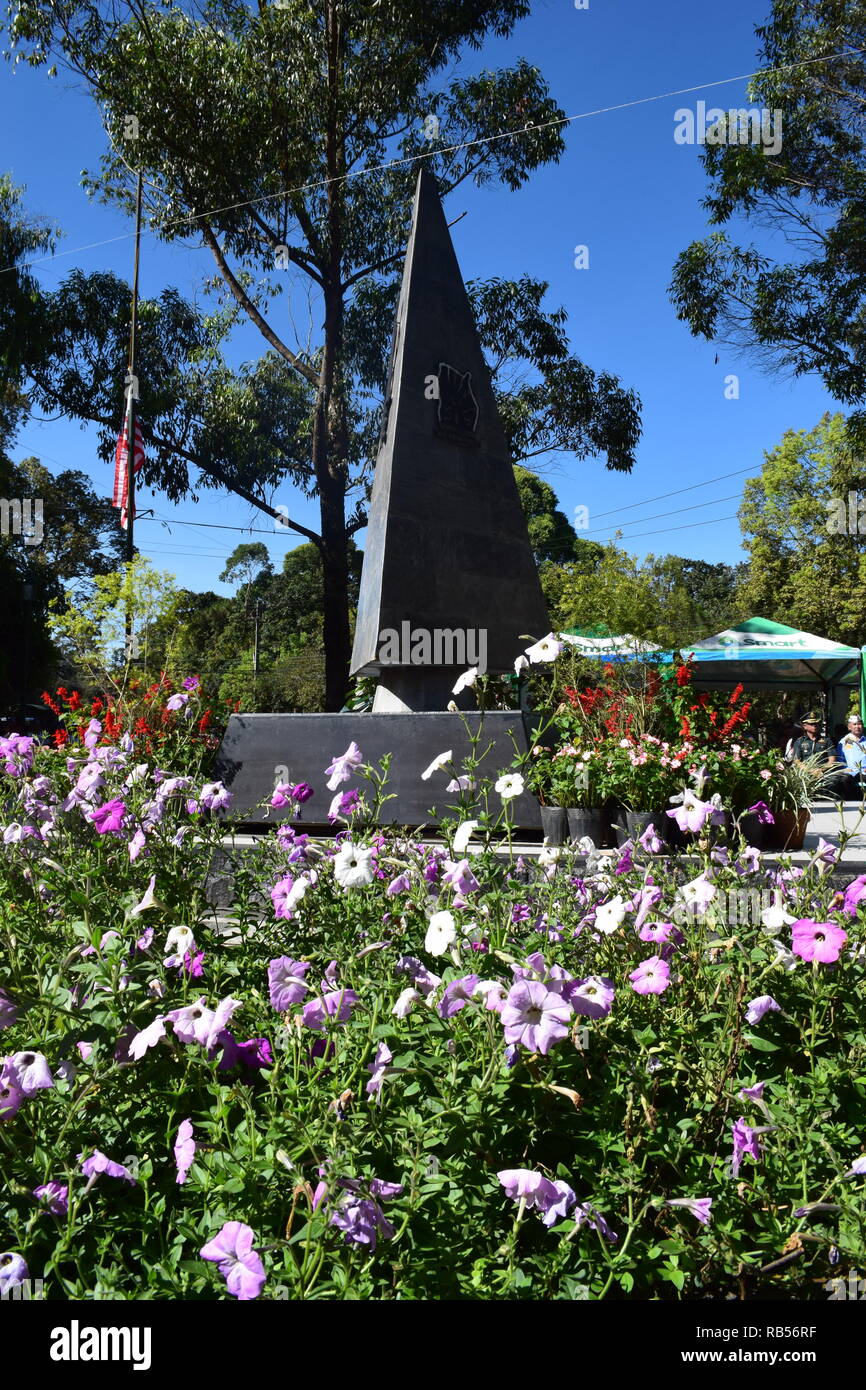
{"type": "Point", "coordinates": [436, 764]}
{"type": "Point", "coordinates": [441, 933]}
{"type": "Point", "coordinates": [406, 1002]}
{"type": "Point", "coordinates": [520, 665]}
{"type": "Point", "coordinates": [510, 784]}
{"type": "Point", "coordinates": [465, 681]}
{"type": "Point", "coordinates": [609, 916]}
{"type": "Point", "coordinates": [774, 918]}
{"type": "Point", "coordinates": [547, 649]}
{"type": "Point", "coordinates": [353, 866]}
{"type": "Point", "coordinates": [177, 943]}
{"type": "Point", "coordinates": [462, 836]}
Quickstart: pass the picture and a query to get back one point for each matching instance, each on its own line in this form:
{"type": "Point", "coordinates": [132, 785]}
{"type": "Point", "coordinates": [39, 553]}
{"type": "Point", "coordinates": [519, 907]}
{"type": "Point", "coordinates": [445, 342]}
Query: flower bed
{"type": "Point", "coordinates": [424, 1073]}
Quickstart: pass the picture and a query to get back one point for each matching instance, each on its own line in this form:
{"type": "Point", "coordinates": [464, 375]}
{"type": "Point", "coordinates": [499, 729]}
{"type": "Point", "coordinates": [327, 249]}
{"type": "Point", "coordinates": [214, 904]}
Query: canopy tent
{"type": "Point", "coordinates": [772, 656]}
{"type": "Point", "coordinates": [599, 643]}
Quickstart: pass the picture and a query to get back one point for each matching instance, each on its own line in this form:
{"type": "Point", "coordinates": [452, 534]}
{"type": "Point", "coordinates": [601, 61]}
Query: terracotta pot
{"type": "Point", "coordinates": [554, 824]}
{"type": "Point", "coordinates": [789, 829]}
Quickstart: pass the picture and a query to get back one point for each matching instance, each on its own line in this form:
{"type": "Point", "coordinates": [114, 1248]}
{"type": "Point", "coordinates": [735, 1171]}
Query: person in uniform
{"type": "Point", "coordinates": [851, 749]}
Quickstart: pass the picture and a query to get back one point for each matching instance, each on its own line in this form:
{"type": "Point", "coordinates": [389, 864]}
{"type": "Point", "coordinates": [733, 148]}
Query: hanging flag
{"type": "Point", "coordinates": [121, 480]}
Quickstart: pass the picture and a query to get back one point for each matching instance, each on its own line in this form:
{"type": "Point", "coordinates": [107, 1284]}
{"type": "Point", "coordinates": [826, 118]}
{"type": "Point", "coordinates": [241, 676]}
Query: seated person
{"type": "Point", "coordinates": [852, 751]}
{"type": "Point", "coordinates": [808, 744]}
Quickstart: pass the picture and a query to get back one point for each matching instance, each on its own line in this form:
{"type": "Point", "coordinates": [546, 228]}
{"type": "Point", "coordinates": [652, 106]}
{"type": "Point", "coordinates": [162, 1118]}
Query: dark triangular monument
{"type": "Point", "coordinates": [449, 578]}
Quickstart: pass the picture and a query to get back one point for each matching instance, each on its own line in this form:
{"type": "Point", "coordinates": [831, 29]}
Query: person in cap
{"type": "Point", "coordinates": [851, 749]}
{"type": "Point", "coordinates": [809, 743]}
{"type": "Point", "coordinates": [835, 782]}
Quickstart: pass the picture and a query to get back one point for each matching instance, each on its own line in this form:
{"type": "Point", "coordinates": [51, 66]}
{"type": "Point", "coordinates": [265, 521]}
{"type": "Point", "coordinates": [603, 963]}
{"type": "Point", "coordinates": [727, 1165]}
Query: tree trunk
{"type": "Point", "coordinates": [335, 574]}
{"type": "Point", "coordinates": [330, 435]}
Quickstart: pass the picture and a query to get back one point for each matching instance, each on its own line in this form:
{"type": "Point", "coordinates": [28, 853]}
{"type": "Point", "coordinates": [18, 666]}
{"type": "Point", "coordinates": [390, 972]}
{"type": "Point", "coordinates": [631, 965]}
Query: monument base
{"type": "Point", "coordinates": [260, 750]}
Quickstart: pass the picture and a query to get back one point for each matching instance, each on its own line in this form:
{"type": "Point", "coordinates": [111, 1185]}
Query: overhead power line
{"type": "Point", "coordinates": [677, 511]}
{"type": "Point", "coordinates": [676, 492]}
{"type": "Point", "coordinates": [369, 169]}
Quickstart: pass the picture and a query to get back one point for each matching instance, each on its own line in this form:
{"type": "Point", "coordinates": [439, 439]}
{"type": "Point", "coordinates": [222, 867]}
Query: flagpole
{"type": "Point", "coordinates": [130, 419]}
{"type": "Point", "coordinates": [130, 416]}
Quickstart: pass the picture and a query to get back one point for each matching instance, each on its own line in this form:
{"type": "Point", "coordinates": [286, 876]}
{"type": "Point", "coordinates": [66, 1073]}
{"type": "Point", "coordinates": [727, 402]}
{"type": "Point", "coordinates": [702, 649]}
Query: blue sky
{"type": "Point", "coordinates": [624, 188]}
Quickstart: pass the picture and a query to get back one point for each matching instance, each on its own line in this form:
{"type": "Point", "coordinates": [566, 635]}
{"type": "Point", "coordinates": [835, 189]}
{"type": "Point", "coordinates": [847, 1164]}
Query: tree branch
{"type": "Point", "coordinates": [242, 298]}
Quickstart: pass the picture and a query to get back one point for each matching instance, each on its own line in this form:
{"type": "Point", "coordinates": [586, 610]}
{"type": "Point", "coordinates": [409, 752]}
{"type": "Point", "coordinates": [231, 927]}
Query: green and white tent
{"type": "Point", "coordinates": [771, 656]}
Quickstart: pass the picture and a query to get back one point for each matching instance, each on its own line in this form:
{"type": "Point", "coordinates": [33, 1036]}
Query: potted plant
{"type": "Point", "coordinates": [790, 793]}
{"type": "Point", "coordinates": [642, 775]}
{"type": "Point", "coordinates": [540, 779]}
{"type": "Point", "coordinates": [575, 787]}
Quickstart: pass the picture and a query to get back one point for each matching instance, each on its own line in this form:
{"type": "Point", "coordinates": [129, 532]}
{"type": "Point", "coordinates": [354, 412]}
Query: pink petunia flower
{"type": "Point", "coordinates": [232, 1252]}
{"type": "Point", "coordinates": [821, 941]}
{"type": "Point", "coordinates": [184, 1150]}
{"type": "Point", "coordinates": [652, 976]}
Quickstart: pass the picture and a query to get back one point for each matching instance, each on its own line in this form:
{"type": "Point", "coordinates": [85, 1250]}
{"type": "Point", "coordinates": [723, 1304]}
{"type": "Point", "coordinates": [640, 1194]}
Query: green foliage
{"type": "Point", "coordinates": [92, 630]}
{"type": "Point", "coordinates": [804, 314]}
{"type": "Point", "coordinates": [802, 569]}
{"type": "Point", "coordinates": [633, 1109]}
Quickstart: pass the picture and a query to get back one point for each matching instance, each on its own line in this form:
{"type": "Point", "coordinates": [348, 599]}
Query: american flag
{"type": "Point", "coordinates": [121, 454]}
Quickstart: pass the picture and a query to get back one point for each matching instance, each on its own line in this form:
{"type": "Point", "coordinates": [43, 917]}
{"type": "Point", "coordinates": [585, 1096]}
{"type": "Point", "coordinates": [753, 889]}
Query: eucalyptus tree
{"type": "Point", "coordinates": [284, 138]}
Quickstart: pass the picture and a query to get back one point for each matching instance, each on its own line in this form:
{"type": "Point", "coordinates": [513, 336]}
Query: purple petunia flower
{"type": "Point", "coordinates": [28, 1071]}
{"type": "Point", "coordinates": [336, 1004]}
{"type": "Point", "coordinates": [191, 682]}
{"type": "Point", "coordinates": [344, 805]}
{"type": "Point", "coordinates": [184, 1150]}
{"type": "Point", "coordinates": [650, 841]}
{"type": "Point", "coordinates": [817, 941]}
{"type": "Point", "coordinates": [54, 1196]}
{"type": "Point", "coordinates": [13, 1269]}
{"type": "Point", "coordinates": [854, 895]}
{"type": "Point", "coordinates": [301, 792]}
{"type": "Point", "coordinates": [11, 1096]}
{"type": "Point", "coordinates": [215, 797]}
{"type": "Point", "coordinates": [698, 1206]}
{"type": "Point", "coordinates": [361, 1220]}
{"type": "Point", "coordinates": [552, 1200]}
{"type": "Point", "coordinates": [286, 982]}
{"type": "Point", "coordinates": [147, 1038]}
{"type": "Point", "coordinates": [763, 812]}
{"type": "Point", "coordinates": [764, 1003]}
{"type": "Point", "coordinates": [255, 1053]}
{"type": "Point", "coordinates": [535, 1016]}
{"type": "Point", "coordinates": [586, 1212]}
{"type": "Point", "coordinates": [99, 1163]}
{"type": "Point", "coordinates": [745, 1140]}
{"type": "Point", "coordinates": [456, 996]}
{"type": "Point", "coordinates": [8, 1010]}
{"type": "Point", "coordinates": [232, 1252]}
{"type": "Point", "coordinates": [341, 769]}
{"type": "Point", "coordinates": [108, 819]}
{"type": "Point", "coordinates": [460, 877]}
{"type": "Point", "coordinates": [652, 976]}
{"type": "Point", "coordinates": [400, 884]}
{"type": "Point", "coordinates": [592, 997]}
{"type": "Point", "coordinates": [380, 1068]}
{"type": "Point", "coordinates": [755, 1092]}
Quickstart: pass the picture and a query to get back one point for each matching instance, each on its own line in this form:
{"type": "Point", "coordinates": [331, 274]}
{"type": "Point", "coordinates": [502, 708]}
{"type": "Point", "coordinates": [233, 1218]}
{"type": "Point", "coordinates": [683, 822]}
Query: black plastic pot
{"type": "Point", "coordinates": [587, 822]}
{"type": "Point", "coordinates": [554, 824]}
